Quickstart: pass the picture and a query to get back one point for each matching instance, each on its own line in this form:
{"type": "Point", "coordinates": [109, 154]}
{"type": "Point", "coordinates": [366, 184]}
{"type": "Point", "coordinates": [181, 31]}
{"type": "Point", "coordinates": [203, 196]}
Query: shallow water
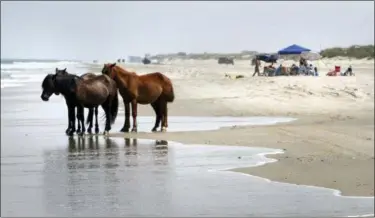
{"type": "Point", "coordinates": [54, 111]}
{"type": "Point", "coordinates": [45, 173]}
{"type": "Point", "coordinates": [98, 176]}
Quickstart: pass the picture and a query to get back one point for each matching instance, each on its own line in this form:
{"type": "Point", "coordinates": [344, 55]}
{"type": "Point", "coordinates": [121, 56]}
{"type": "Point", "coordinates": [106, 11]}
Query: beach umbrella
{"type": "Point", "coordinates": [311, 56]}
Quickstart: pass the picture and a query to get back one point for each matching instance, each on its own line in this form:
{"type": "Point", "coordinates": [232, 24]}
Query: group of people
{"type": "Point", "coordinates": [337, 72]}
{"type": "Point", "coordinates": [303, 69]}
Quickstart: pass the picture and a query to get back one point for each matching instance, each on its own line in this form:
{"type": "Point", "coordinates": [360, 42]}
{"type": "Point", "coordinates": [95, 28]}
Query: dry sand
{"type": "Point", "coordinates": [332, 143]}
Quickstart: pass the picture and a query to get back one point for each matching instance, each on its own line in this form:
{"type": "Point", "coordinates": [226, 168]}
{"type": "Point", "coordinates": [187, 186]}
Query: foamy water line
{"type": "Point", "coordinates": [268, 160]}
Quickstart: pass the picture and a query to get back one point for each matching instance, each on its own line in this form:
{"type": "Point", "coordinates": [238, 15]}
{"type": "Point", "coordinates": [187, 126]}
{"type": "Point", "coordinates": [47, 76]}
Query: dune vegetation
{"type": "Point", "coordinates": [354, 51]}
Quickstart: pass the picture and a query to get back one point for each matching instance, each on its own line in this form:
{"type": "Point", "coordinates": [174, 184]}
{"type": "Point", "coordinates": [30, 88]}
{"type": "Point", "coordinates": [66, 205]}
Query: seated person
{"type": "Point", "coordinates": [349, 71]}
{"type": "Point", "coordinates": [271, 66]}
{"type": "Point", "coordinates": [294, 69]}
{"type": "Point", "coordinates": [278, 70]}
{"type": "Point", "coordinates": [303, 70]}
{"type": "Point", "coordinates": [310, 70]}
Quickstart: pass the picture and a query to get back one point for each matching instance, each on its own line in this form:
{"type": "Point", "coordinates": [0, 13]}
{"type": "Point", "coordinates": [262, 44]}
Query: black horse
{"type": "Point", "coordinates": [80, 93]}
{"type": "Point", "coordinates": [92, 111]}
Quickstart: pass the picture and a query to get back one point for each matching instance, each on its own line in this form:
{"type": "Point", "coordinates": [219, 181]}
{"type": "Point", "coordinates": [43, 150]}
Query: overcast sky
{"type": "Point", "coordinates": [101, 30]}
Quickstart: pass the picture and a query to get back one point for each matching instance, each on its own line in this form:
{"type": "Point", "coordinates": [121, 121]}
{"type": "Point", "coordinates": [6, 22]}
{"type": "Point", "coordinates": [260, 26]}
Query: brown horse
{"type": "Point", "coordinates": [153, 88]}
{"type": "Point", "coordinates": [90, 116]}
{"type": "Point", "coordinates": [90, 93]}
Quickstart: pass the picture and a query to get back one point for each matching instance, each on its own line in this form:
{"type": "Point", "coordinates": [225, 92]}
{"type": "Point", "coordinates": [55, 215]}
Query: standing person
{"type": "Point", "coordinates": [302, 61]}
{"type": "Point", "coordinates": [257, 66]}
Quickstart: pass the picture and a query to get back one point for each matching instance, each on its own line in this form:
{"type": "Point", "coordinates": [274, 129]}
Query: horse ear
{"type": "Point", "coordinates": [56, 70]}
{"type": "Point", "coordinates": [64, 70]}
{"type": "Point", "coordinates": [114, 64]}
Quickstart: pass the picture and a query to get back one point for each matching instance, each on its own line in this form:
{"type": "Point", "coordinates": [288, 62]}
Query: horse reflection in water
{"type": "Point", "coordinates": [91, 174]}
{"type": "Point", "coordinates": [158, 153]}
{"type": "Point", "coordinates": [85, 153]}
{"type": "Point", "coordinates": [91, 162]}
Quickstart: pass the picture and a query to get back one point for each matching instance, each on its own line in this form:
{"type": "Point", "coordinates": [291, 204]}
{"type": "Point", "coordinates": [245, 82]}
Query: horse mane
{"type": "Point", "coordinates": [46, 80]}
{"type": "Point", "coordinates": [122, 71]}
{"type": "Point", "coordinates": [67, 82]}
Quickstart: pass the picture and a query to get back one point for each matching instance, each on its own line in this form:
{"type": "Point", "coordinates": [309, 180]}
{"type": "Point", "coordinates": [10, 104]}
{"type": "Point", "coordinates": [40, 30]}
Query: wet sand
{"type": "Point", "coordinates": [53, 175]}
{"type": "Point", "coordinates": [327, 151]}
{"type": "Point", "coordinates": [308, 159]}
{"type": "Point", "coordinates": [45, 173]}
{"type": "Point", "coordinates": [330, 145]}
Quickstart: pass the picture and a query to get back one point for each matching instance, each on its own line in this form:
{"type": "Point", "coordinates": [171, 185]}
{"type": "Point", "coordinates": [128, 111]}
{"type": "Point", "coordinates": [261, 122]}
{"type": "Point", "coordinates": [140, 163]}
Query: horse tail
{"type": "Point", "coordinates": [170, 94]}
{"type": "Point", "coordinates": [90, 116]}
{"type": "Point", "coordinates": [167, 88]}
{"type": "Point", "coordinates": [114, 106]}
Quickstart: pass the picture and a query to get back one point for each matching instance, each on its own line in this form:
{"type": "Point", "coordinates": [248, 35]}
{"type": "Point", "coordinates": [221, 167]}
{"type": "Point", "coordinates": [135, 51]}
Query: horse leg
{"type": "Point", "coordinates": [164, 112]}
{"type": "Point", "coordinates": [134, 115]}
{"type": "Point", "coordinates": [72, 112]}
{"type": "Point", "coordinates": [81, 119]}
{"type": "Point", "coordinates": [107, 112]}
{"type": "Point", "coordinates": [89, 120]}
{"type": "Point", "coordinates": [96, 120]}
{"type": "Point", "coordinates": [166, 116]}
{"type": "Point", "coordinates": [126, 126]}
{"type": "Point", "coordinates": [69, 119]}
{"type": "Point", "coordinates": [155, 106]}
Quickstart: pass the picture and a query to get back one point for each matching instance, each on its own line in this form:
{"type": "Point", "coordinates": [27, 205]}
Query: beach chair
{"type": "Point", "coordinates": [335, 72]}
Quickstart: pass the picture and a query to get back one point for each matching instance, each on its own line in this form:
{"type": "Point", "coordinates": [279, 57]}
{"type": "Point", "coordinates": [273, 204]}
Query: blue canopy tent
{"type": "Point", "coordinates": [293, 49]}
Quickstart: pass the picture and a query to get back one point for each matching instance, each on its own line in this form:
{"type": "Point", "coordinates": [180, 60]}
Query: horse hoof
{"type": "Point", "coordinates": [70, 133]}
{"type": "Point", "coordinates": [89, 131]}
{"type": "Point", "coordinates": [105, 133]}
{"type": "Point", "coordinates": [124, 130]}
{"type": "Point", "coordinates": [154, 130]}
{"type": "Point", "coordinates": [134, 130]}
{"type": "Point", "coordinates": [96, 131]}
{"type": "Point", "coordinates": [164, 129]}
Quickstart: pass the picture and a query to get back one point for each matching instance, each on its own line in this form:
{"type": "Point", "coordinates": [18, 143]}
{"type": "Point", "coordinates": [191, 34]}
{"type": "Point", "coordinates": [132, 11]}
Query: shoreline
{"type": "Point", "coordinates": [291, 166]}
{"type": "Point", "coordinates": [331, 144]}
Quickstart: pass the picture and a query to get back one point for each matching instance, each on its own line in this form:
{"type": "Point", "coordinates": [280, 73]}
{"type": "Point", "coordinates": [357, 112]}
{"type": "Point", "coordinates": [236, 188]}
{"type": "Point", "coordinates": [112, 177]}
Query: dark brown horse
{"type": "Point", "coordinates": [92, 111]}
{"type": "Point", "coordinates": [89, 93]}
{"type": "Point", "coordinates": [153, 88]}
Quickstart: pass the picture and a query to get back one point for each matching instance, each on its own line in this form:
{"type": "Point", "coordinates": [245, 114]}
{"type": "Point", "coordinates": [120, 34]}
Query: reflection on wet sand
{"type": "Point", "coordinates": [94, 168]}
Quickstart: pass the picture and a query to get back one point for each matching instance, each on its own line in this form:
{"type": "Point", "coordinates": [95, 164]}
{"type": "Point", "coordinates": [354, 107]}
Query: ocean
{"type": "Point", "coordinates": [21, 72]}
{"type": "Point", "coordinates": [45, 173]}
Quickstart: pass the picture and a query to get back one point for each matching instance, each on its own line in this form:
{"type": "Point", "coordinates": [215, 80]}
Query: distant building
{"type": "Point", "coordinates": [135, 59]}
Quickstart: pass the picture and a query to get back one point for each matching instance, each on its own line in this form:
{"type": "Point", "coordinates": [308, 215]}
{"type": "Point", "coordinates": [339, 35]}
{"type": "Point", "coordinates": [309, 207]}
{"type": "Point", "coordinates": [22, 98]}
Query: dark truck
{"type": "Point", "coordinates": [225, 60]}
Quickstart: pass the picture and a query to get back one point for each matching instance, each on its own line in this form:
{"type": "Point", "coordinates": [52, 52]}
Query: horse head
{"type": "Point", "coordinates": [61, 72]}
{"type": "Point", "coordinates": [49, 87]}
{"type": "Point", "coordinates": [108, 70]}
